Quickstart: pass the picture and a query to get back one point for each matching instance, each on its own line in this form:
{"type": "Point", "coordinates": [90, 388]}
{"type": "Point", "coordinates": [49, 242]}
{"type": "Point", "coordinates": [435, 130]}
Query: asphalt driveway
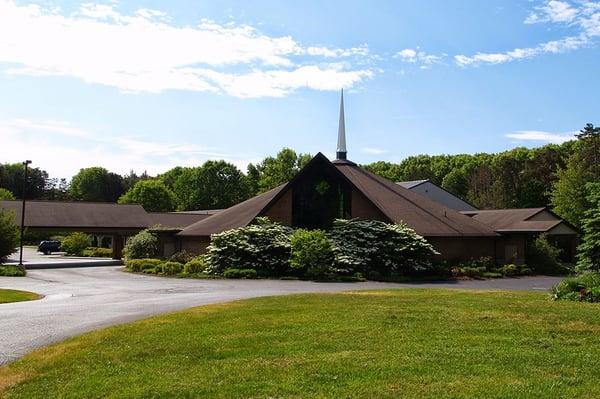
{"type": "Point", "coordinates": [84, 299]}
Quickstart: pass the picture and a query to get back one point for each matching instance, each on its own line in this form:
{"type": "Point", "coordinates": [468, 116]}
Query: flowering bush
{"type": "Point", "coordinates": [371, 245]}
{"type": "Point", "coordinates": [263, 246]}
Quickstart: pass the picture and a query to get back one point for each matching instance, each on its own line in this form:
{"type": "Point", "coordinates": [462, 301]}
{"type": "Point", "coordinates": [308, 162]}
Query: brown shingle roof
{"type": "Point", "coordinates": [176, 220]}
{"type": "Point", "coordinates": [399, 204]}
{"type": "Point", "coordinates": [55, 214]}
{"type": "Point", "coordinates": [515, 220]}
{"type": "Point", "coordinates": [237, 216]}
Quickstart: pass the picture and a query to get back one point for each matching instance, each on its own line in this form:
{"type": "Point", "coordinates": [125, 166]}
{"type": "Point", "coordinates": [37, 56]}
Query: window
{"type": "Point", "coordinates": [319, 198]}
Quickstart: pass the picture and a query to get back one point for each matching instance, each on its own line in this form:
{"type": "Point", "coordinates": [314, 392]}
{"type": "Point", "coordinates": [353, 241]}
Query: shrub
{"type": "Point", "coordinates": [471, 271]}
{"type": "Point", "coordinates": [142, 245]}
{"type": "Point", "coordinates": [194, 266]}
{"type": "Point", "coordinates": [585, 287]}
{"type": "Point", "coordinates": [182, 256]}
{"type": "Point", "coordinates": [171, 268]}
{"type": "Point", "coordinates": [12, 271]}
{"type": "Point", "coordinates": [356, 277]}
{"type": "Point", "coordinates": [312, 254]}
{"type": "Point", "coordinates": [511, 270]}
{"type": "Point", "coordinates": [264, 246]}
{"type": "Point", "coordinates": [97, 252]}
{"type": "Point", "coordinates": [75, 243]}
{"type": "Point", "coordinates": [240, 273]}
{"type": "Point", "coordinates": [139, 265]}
{"type": "Point", "coordinates": [6, 195]}
{"type": "Point", "coordinates": [543, 257]}
{"type": "Point", "coordinates": [9, 234]}
{"type": "Point", "coordinates": [487, 262]}
{"type": "Point", "coordinates": [367, 245]}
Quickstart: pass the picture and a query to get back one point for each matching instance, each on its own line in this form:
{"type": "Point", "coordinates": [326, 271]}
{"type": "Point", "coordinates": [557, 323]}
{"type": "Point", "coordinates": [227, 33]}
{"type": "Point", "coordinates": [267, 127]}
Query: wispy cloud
{"type": "Point", "coordinates": [47, 141]}
{"type": "Point", "coordinates": [146, 52]}
{"type": "Point", "coordinates": [541, 136]}
{"type": "Point", "coordinates": [373, 150]}
{"type": "Point", "coordinates": [417, 56]}
{"type": "Point", "coordinates": [584, 16]}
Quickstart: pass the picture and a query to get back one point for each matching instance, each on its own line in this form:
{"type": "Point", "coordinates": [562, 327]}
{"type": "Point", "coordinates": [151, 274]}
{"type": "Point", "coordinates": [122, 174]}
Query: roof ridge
{"type": "Point", "coordinates": [375, 178]}
{"type": "Point", "coordinates": [72, 202]}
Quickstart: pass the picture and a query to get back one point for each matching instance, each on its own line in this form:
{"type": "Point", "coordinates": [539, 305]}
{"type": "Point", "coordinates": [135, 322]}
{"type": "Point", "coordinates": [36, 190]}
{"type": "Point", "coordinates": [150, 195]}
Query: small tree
{"type": "Point", "coordinates": [142, 245]}
{"type": "Point", "coordinates": [6, 195]}
{"type": "Point", "coordinates": [312, 254]}
{"type": "Point", "coordinates": [75, 243]}
{"type": "Point", "coordinates": [153, 195]}
{"type": "Point", "coordinates": [9, 234]}
{"type": "Point", "coordinates": [589, 250]}
{"type": "Point", "coordinates": [543, 257]}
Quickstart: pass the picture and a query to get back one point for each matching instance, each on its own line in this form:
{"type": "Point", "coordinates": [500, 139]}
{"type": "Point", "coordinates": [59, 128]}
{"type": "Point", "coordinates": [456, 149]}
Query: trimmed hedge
{"type": "Point", "coordinates": [97, 252]}
{"type": "Point", "coordinates": [171, 268]}
{"type": "Point", "coordinates": [140, 265]}
{"type": "Point", "coordinates": [195, 266]}
{"type": "Point", "coordinates": [240, 273]}
{"type": "Point", "coordinates": [12, 271]}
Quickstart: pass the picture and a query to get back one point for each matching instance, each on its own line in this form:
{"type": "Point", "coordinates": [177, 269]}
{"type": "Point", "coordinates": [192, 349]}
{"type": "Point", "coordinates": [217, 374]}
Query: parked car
{"type": "Point", "coordinates": [47, 247]}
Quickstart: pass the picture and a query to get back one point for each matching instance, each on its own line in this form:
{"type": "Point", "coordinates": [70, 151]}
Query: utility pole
{"type": "Point", "coordinates": [25, 164]}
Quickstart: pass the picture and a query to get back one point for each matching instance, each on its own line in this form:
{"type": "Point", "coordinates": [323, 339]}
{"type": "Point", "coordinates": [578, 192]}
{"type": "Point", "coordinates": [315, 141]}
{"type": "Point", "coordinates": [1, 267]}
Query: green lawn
{"type": "Point", "coordinates": [399, 343]}
{"type": "Point", "coordinates": [7, 296]}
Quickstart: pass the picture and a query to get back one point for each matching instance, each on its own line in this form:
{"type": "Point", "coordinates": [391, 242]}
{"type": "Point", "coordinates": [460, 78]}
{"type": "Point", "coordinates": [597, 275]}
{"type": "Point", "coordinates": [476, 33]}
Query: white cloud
{"type": "Point", "coordinates": [553, 47]}
{"type": "Point", "coordinates": [584, 16]}
{"type": "Point", "coordinates": [417, 56]}
{"type": "Point", "coordinates": [373, 150]}
{"type": "Point", "coordinates": [552, 11]}
{"type": "Point", "coordinates": [46, 141]}
{"type": "Point", "coordinates": [146, 52]}
{"type": "Point", "coordinates": [541, 136]}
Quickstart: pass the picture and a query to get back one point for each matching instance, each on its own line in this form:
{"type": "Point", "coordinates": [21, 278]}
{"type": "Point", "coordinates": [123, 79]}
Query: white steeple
{"type": "Point", "coordinates": [341, 141]}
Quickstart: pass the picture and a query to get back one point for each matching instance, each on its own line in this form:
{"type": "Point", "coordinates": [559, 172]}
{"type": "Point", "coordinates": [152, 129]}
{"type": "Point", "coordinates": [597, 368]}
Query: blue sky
{"type": "Point", "coordinates": [148, 85]}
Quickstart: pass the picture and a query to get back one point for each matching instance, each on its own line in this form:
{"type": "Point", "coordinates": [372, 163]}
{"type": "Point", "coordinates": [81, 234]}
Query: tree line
{"type": "Point", "coordinates": [552, 175]}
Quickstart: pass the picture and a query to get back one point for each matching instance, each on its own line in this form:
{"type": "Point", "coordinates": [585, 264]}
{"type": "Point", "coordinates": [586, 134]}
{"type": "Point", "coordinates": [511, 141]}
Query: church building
{"type": "Point", "coordinates": [325, 190]}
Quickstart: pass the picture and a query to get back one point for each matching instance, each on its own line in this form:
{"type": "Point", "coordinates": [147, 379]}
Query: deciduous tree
{"type": "Point", "coordinates": [153, 195]}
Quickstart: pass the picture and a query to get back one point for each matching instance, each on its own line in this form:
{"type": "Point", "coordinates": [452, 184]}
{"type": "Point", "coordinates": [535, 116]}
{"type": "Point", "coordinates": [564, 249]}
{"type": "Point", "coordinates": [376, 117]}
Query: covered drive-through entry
{"type": "Point", "coordinates": [98, 218]}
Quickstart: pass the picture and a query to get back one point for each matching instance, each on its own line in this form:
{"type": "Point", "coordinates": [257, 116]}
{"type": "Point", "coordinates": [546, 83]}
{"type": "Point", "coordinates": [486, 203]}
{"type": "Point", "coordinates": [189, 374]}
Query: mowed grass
{"type": "Point", "coordinates": [7, 296]}
{"type": "Point", "coordinates": [378, 344]}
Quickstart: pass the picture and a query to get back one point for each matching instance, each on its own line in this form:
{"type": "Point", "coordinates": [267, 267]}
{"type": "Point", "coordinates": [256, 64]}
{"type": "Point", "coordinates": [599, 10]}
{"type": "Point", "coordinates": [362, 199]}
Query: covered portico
{"type": "Point", "coordinates": [114, 220]}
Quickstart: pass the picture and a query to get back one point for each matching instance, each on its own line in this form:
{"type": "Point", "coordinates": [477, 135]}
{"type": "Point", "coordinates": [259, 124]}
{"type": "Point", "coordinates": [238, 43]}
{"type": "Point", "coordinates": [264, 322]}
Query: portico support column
{"type": "Point", "coordinates": [117, 246]}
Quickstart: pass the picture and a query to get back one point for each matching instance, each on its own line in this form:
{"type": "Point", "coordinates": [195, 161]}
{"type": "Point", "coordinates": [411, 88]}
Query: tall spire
{"type": "Point", "coordinates": [341, 141]}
